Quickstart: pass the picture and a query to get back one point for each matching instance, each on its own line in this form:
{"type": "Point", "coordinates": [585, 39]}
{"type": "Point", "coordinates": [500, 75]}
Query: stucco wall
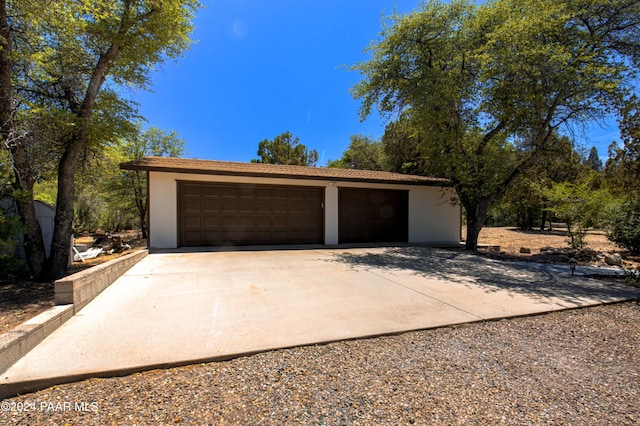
{"type": "Point", "coordinates": [432, 218]}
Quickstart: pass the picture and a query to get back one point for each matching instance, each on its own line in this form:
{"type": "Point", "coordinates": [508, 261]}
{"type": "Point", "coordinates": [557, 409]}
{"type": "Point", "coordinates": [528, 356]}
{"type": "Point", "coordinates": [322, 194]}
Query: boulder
{"type": "Point", "coordinates": [525, 250]}
{"type": "Point", "coordinates": [614, 259]}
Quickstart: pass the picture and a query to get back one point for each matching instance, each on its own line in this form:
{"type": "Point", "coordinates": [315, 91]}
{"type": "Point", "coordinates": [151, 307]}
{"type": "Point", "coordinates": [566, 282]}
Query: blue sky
{"type": "Point", "coordinates": [260, 68]}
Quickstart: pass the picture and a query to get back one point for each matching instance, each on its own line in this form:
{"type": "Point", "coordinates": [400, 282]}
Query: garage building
{"type": "Point", "coordinates": [200, 203]}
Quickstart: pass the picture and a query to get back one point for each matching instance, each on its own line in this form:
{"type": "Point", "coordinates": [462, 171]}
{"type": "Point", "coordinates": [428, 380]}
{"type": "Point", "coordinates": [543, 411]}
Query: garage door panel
{"type": "Point", "coordinates": [210, 192]}
{"type": "Point", "coordinates": [262, 207]}
{"type": "Point", "coordinates": [192, 206]}
{"type": "Point", "coordinates": [263, 222]}
{"type": "Point", "coordinates": [246, 193]}
{"type": "Point", "coordinates": [229, 207]}
{"type": "Point", "coordinates": [237, 214]}
{"type": "Point", "coordinates": [247, 222]}
{"type": "Point", "coordinates": [246, 207]}
{"type": "Point", "coordinates": [229, 192]}
{"type": "Point", "coordinates": [210, 221]}
{"type": "Point", "coordinates": [210, 206]}
{"type": "Point", "coordinates": [280, 194]}
{"type": "Point", "coordinates": [191, 190]}
{"type": "Point", "coordinates": [193, 221]}
{"type": "Point", "coordinates": [263, 194]}
{"type": "Point", "coordinates": [229, 221]}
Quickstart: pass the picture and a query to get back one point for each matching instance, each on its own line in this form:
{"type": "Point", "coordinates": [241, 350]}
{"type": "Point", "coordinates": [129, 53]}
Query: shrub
{"type": "Point", "coordinates": [624, 225]}
{"type": "Point", "coordinates": [632, 277]}
{"type": "Point", "coordinates": [10, 227]}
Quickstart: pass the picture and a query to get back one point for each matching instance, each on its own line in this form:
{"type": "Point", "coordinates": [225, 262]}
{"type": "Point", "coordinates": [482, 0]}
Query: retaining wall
{"type": "Point", "coordinates": [72, 293]}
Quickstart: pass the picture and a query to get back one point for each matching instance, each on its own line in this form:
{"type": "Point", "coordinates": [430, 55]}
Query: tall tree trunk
{"type": "Point", "coordinates": [34, 244]}
{"type": "Point", "coordinates": [476, 218]}
{"type": "Point", "coordinates": [33, 241]}
{"type": "Point", "coordinates": [141, 199]}
{"type": "Point", "coordinates": [544, 218]}
{"type": "Point", "coordinates": [61, 245]}
{"type": "Point", "coordinates": [63, 224]}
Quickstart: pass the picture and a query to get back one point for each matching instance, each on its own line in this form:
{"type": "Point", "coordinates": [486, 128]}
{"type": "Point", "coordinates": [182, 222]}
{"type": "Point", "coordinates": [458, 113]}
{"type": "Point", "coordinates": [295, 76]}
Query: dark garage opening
{"type": "Point", "coordinates": [214, 214]}
{"type": "Point", "coordinates": [373, 215]}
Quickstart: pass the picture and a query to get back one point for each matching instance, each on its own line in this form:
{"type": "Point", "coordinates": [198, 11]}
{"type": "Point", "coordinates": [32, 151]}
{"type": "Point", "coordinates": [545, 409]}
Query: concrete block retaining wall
{"type": "Point", "coordinates": [81, 288]}
{"type": "Point", "coordinates": [72, 293]}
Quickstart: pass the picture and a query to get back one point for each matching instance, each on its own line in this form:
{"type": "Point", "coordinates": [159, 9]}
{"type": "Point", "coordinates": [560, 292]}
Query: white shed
{"type": "Point", "coordinates": [45, 213]}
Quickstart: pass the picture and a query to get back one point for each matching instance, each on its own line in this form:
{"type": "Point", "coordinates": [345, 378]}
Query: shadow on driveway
{"type": "Point", "coordinates": [450, 266]}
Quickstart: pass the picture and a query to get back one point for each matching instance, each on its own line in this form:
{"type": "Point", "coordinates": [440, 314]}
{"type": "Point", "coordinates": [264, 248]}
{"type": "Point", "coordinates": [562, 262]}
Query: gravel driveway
{"type": "Point", "coordinates": [570, 367]}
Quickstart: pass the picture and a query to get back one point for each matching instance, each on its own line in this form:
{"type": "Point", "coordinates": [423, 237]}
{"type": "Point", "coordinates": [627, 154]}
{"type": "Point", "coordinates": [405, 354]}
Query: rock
{"type": "Point", "coordinates": [525, 250]}
{"type": "Point", "coordinates": [546, 248]}
{"type": "Point", "coordinates": [614, 259]}
{"type": "Point", "coordinates": [587, 253]}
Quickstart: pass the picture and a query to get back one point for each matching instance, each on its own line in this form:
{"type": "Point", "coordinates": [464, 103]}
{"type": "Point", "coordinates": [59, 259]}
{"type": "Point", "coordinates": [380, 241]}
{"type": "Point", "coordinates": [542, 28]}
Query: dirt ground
{"type": "Point", "coordinates": [23, 299]}
{"type": "Point", "coordinates": [510, 243]}
{"type": "Point", "coordinates": [511, 240]}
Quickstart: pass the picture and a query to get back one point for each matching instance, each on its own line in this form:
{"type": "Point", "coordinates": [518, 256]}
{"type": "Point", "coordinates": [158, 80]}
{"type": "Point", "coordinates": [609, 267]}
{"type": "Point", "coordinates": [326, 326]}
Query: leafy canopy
{"type": "Point", "coordinates": [285, 149]}
{"type": "Point", "coordinates": [489, 87]}
{"type": "Point", "coordinates": [363, 153]}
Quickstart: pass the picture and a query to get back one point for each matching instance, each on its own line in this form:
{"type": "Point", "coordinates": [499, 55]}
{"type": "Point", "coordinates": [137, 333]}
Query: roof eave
{"type": "Point", "coordinates": [193, 170]}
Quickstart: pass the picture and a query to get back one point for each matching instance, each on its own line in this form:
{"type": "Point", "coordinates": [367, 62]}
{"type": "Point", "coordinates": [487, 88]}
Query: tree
{"type": "Point", "coordinates": [624, 224]}
{"type": "Point", "coordinates": [363, 153]}
{"type": "Point", "coordinates": [10, 226]}
{"type": "Point", "coordinates": [623, 175]}
{"type": "Point", "coordinates": [578, 205]}
{"type": "Point", "coordinates": [284, 149]}
{"type": "Point", "coordinates": [12, 137]}
{"type": "Point", "coordinates": [64, 60]}
{"type": "Point", "coordinates": [401, 145]}
{"type": "Point", "coordinates": [130, 187]}
{"type": "Point", "coordinates": [525, 202]}
{"type": "Point", "coordinates": [623, 166]}
{"type": "Point", "coordinates": [593, 161]}
{"type": "Point", "coordinates": [488, 87]}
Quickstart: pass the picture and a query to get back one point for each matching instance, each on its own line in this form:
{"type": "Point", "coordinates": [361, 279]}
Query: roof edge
{"type": "Point", "coordinates": [440, 182]}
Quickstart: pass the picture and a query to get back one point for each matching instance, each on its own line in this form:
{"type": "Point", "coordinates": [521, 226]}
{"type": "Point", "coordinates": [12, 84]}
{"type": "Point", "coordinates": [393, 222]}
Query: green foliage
{"type": "Point", "coordinates": [578, 205]}
{"type": "Point", "coordinates": [593, 161]}
{"type": "Point", "coordinates": [487, 87]}
{"type": "Point", "coordinates": [524, 203]}
{"type": "Point", "coordinates": [124, 191]}
{"type": "Point", "coordinates": [10, 227]}
{"type": "Point", "coordinates": [632, 277]}
{"type": "Point", "coordinates": [62, 67]}
{"type": "Point", "coordinates": [402, 149]}
{"type": "Point", "coordinates": [284, 149]}
{"type": "Point", "coordinates": [623, 166]}
{"type": "Point", "coordinates": [363, 153]}
{"type": "Point", "coordinates": [623, 223]}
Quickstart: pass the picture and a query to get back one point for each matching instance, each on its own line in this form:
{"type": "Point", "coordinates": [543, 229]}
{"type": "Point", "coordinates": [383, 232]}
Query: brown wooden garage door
{"type": "Point", "coordinates": [242, 214]}
{"type": "Point", "coordinates": [373, 215]}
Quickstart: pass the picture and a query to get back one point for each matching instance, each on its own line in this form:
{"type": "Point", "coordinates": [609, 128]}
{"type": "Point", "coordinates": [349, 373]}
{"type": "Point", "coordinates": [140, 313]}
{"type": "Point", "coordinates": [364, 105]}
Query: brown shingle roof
{"type": "Point", "coordinates": [211, 167]}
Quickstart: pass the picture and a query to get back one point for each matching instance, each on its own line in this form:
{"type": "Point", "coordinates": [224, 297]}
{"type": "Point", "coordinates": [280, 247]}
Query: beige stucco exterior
{"type": "Point", "coordinates": [433, 219]}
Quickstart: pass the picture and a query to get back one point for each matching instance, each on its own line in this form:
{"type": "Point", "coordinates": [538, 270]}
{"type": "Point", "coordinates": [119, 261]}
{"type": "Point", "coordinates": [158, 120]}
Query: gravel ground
{"type": "Point", "coordinates": [572, 367]}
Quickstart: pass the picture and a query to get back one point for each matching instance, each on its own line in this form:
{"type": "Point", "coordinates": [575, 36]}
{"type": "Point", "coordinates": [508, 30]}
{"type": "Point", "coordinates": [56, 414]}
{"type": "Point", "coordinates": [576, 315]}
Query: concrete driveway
{"type": "Point", "coordinates": [179, 308]}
